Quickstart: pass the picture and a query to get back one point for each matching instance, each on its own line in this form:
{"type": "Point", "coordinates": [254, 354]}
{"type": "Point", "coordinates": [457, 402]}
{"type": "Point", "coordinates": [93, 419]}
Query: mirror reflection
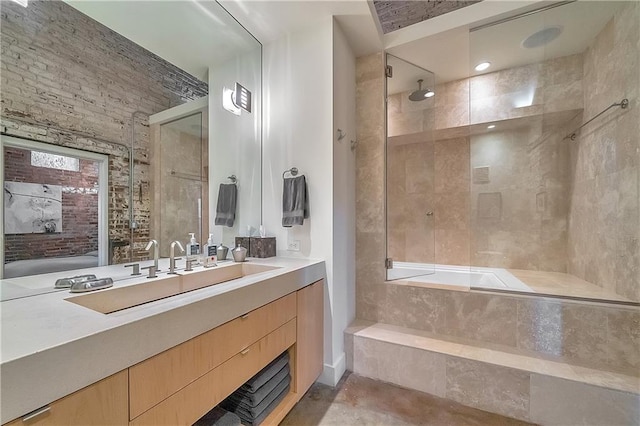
{"type": "Point", "coordinates": [108, 82]}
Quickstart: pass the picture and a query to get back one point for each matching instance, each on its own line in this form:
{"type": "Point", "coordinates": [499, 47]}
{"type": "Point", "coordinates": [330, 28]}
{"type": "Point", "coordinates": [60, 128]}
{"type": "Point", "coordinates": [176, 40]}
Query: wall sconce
{"type": "Point", "coordinates": [236, 100]}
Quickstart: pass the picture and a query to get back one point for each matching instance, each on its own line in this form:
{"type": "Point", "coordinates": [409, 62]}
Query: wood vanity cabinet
{"type": "Point", "coordinates": [102, 403]}
{"type": "Point", "coordinates": [181, 384]}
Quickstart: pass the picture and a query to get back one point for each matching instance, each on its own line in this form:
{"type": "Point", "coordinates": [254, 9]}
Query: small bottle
{"type": "Point", "coordinates": [209, 253]}
{"type": "Point", "coordinates": [193, 248]}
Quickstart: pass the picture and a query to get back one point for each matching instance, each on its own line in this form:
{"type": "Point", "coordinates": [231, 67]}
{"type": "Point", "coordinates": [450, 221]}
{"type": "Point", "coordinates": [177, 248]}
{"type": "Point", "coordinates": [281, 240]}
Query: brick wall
{"type": "Point", "coordinates": [68, 80]}
{"type": "Point", "coordinates": [79, 210]}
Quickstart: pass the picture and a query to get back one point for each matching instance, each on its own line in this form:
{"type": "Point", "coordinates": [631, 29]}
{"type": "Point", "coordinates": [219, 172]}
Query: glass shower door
{"type": "Point", "coordinates": [410, 170]}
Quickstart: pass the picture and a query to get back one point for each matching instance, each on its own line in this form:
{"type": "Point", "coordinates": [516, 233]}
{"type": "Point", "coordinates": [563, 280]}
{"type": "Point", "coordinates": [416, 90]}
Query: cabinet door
{"type": "Point", "coordinates": [103, 403]}
{"type": "Point", "coordinates": [309, 340]}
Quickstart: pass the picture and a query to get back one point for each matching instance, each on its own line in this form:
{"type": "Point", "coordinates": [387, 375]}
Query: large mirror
{"type": "Point", "coordinates": [120, 124]}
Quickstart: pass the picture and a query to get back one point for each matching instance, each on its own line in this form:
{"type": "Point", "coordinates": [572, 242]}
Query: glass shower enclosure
{"type": "Point", "coordinates": [410, 173]}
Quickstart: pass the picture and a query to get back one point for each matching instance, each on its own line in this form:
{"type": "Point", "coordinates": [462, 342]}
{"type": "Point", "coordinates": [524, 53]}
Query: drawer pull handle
{"type": "Point", "coordinates": [244, 352]}
{"type": "Point", "coordinates": [245, 316]}
{"type": "Point", "coordinates": [32, 415]}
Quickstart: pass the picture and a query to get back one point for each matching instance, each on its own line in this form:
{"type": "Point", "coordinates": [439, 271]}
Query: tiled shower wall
{"type": "Point", "coordinates": [499, 196]}
{"type": "Point", "coordinates": [68, 80]}
{"type": "Point", "coordinates": [604, 219]}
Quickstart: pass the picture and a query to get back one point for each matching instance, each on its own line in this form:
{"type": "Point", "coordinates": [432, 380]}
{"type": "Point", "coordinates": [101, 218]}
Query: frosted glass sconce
{"type": "Point", "coordinates": [236, 100]}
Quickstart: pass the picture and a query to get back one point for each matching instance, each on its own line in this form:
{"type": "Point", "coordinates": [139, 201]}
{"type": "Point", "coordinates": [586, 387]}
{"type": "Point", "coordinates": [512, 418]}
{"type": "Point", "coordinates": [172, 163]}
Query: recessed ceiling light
{"type": "Point", "coordinates": [482, 66]}
{"type": "Point", "coordinates": [542, 37]}
{"type": "Point", "coordinates": [491, 126]}
{"type": "Point", "coordinates": [429, 94]}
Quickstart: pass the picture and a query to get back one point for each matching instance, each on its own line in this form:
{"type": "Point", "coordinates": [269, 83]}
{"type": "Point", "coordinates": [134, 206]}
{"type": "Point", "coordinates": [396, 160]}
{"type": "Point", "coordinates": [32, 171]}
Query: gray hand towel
{"type": "Point", "coordinates": [295, 201]}
{"type": "Point", "coordinates": [250, 413]}
{"type": "Point", "coordinates": [260, 418]}
{"type": "Point", "coordinates": [226, 209]}
{"type": "Point", "coordinates": [251, 400]}
{"type": "Point", "coordinates": [219, 417]}
{"type": "Point", "coordinates": [263, 376]}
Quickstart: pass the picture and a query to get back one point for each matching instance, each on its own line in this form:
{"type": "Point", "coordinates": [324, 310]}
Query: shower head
{"type": "Point", "coordinates": [420, 94]}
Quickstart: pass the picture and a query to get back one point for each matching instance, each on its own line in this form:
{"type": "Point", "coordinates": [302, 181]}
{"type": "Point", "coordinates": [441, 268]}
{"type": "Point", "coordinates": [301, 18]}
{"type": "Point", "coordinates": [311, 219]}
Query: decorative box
{"type": "Point", "coordinates": [263, 247]}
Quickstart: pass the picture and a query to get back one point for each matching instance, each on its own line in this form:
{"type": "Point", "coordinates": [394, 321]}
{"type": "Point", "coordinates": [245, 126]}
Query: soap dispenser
{"type": "Point", "coordinates": [193, 248]}
{"type": "Point", "coordinates": [209, 253]}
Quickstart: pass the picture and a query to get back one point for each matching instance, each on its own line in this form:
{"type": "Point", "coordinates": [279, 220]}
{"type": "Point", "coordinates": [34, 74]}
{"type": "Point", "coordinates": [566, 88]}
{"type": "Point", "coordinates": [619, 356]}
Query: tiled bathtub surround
{"type": "Point", "coordinates": [590, 335]}
{"type": "Point", "coordinates": [506, 383]}
{"type": "Point", "coordinates": [604, 218]}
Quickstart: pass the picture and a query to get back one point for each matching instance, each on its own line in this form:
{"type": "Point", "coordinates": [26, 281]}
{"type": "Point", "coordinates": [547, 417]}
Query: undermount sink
{"type": "Point", "coordinates": [118, 298]}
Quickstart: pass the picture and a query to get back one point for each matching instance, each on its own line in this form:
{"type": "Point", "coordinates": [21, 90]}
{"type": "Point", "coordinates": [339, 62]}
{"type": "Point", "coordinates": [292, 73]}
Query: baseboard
{"type": "Point", "coordinates": [331, 374]}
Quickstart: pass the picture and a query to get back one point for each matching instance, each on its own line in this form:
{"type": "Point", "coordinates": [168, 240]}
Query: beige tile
{"type": "Point", "coordinates": [452, 247]}
{"type": "Point", "coordinates": [582, 341]}
{"type": "Point", "coordinates": [369, 67]}
{"type": "Point", "coordinates": [370, 255]}
{"type": "Point", "coordinates": [405, 122]}
{"type": "Point", "coordinates": [451, 165]}
{"type": "Point", "coordinates": [481, 317]}
{"type": "Point", "coordinates": [563, 402]}
{"type": "Point", "coordinates": [409, 367]}
{"type": "Point", "coordinates": [488, 387]}
{"type": "Point", "coordinates": [453, 115]}
{"type": "Point", "coordinates": [365, 358]}
{"type": "Point", "coordinates": [452, 210]}
{"type": "Point", "coordinates": [348, 350]}
{"type": "Point", "coordinates": [623, 339]}
{"type": "Point", "coordinates": [540, 327]}
{"type": "Point", "coordinates": [413, 307]}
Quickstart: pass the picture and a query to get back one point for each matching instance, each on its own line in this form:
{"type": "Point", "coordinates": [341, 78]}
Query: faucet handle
{"type": "Point", "coordinates": [152, 271]}
{"type": "Point", "coordinates": [136, 268]}
{"type": "Point", "coordinates": [189, 265]}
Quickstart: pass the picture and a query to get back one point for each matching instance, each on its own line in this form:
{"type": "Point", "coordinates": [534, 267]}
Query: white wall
{"type": "Point", "coordinates": [299, 131]}
{"type": "Point", "coordinates": [234, 145]}
{"type": "Point", "coordinates": [344, 191]}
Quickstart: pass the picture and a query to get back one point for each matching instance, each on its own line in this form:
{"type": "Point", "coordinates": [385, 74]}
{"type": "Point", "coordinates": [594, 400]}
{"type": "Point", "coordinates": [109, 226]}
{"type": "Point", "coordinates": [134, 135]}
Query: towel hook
{"type": "Point", "coordinates": [293, 171]}
{"type": "Point", "coordinates": [341, 134]}
{"type": "Point", "coordinates": [232, 178]}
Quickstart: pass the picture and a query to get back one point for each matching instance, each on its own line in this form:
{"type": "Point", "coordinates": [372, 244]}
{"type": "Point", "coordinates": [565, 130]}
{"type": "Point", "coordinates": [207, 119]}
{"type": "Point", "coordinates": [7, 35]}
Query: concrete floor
{"type": "Point", "coordinates": [362, 401]}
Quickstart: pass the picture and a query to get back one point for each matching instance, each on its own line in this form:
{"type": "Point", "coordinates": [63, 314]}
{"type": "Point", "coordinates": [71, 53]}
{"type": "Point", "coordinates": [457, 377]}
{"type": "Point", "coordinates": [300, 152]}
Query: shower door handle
{"type": "Point", "coordinates": [429, 213]}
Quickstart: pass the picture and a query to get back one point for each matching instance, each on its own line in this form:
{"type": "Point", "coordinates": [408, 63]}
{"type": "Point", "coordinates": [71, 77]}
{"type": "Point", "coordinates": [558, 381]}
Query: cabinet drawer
{"type": "Point", "coordinates": [157, 378]}
{"type": "Point", "coordinates": [103, 403]}
{"type": "Point", "coordinates": [195, 400]}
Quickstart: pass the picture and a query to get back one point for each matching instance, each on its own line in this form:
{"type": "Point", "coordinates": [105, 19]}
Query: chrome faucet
{"type": "Point", "coordinates": [156, 252]}
{"type": "Point", "coordinates": [172, 256]}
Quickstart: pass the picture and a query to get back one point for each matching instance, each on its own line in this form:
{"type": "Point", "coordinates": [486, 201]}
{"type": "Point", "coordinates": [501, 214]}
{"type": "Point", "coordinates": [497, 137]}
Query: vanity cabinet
{"type": "Point", "coordinates": [102, 403]}
{"type": "Point", "coordinates": [309, 340]}
{"type": "Point", "coordinates": [181, 384]}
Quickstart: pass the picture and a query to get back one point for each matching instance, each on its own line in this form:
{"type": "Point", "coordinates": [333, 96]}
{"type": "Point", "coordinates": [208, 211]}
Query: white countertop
{"type": "Point", "coordinates": [51, 347]}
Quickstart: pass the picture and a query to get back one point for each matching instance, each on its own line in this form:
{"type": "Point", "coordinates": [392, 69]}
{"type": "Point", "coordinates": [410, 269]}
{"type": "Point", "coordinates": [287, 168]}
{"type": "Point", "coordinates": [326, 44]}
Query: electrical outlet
{"type": "Point", "coordinates": [293, 245]}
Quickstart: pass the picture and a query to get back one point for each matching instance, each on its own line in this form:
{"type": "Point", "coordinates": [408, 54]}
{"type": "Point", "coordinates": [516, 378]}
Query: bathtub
{"type": "Point", "coordinates": [456, 277]}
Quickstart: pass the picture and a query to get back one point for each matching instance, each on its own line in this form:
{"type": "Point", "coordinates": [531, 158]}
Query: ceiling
{"type": "Point", "coordinates": [193, 34]}
{"type": "Point", "coordinates": [394, 15]}
{"type": "Point", "coordinates": [451, 55]}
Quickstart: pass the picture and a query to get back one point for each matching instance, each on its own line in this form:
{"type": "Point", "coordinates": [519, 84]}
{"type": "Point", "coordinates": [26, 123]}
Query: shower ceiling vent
{"type": "Point", "coordinates": [542, 37]}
